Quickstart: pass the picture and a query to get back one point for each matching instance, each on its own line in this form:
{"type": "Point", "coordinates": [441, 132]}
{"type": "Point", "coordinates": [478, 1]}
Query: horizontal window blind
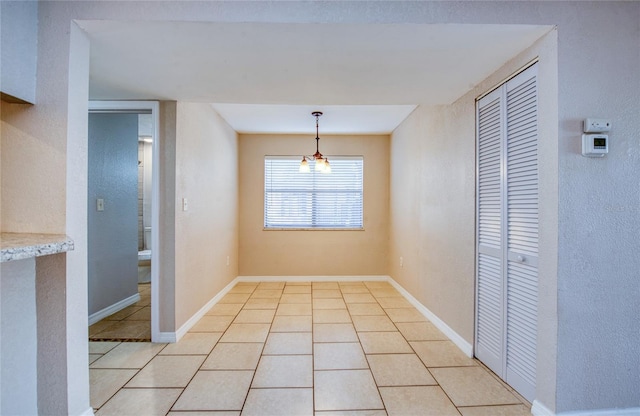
{"type": "Point", "coordinates": [313, 200]}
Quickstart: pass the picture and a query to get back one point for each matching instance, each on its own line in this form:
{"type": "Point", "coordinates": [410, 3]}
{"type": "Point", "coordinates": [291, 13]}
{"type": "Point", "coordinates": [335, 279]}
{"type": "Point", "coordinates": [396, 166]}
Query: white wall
{"type": "Point", "coordinates": [207, 232]}
{"type": "Point", "coordinates": [433, 181]}
{"type": "Point", "coordinates": [18, 50]}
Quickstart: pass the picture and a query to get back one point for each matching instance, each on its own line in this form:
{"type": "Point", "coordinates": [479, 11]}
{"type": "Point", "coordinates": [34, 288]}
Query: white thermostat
{"type": "Point", "coordinates": [595, 145]}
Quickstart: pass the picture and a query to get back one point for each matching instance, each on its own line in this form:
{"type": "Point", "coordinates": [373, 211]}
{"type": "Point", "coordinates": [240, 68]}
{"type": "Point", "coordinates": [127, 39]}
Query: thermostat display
{"type": "Point", "coordinates": [595, 145]}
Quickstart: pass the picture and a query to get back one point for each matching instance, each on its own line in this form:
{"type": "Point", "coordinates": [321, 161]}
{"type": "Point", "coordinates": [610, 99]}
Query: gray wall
{"type": "Point", "coordinates": [18, 49]}
{"type": "Point", "coordinates": [112, 233]}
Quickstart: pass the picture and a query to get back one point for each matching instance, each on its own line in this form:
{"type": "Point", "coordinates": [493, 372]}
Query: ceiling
{"type": "Point", "coordinates": [268, 77]}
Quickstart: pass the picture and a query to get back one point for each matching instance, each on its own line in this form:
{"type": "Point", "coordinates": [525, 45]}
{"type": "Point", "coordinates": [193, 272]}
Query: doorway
{"type": "Point", "coordinates": [123, 217]}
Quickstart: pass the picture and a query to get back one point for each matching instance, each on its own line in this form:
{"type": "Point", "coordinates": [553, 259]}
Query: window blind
{"type": "Point", "coordinates": [313, 200]}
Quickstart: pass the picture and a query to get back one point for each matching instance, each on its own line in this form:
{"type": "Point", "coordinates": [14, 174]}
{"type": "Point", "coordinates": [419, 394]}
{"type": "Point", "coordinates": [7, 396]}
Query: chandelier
{"type": "Point", "coordinates": [321, 163]}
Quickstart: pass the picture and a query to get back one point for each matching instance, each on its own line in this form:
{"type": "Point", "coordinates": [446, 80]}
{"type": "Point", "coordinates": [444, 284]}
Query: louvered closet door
{"type": "Point", "coordinates": [507, 264]}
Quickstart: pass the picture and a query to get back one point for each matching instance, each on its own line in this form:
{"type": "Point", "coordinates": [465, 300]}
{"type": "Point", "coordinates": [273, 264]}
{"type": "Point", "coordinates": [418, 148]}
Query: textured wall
{"type": "Point", "coordinates": [18, 49]}
{"type": "Point", "coordinates": [112, 233]}
{"type": "Point", "coordinates": [308, 253]}
{"type": "Point", "coordinates": [207, 176]}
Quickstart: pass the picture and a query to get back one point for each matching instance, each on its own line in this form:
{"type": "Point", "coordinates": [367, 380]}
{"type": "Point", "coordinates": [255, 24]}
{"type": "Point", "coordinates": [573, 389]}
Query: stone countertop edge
{"type": "Point", "coordinates": [19, 246]}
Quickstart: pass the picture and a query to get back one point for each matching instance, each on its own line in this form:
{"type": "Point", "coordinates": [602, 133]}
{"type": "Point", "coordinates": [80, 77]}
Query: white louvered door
{"type": "Point", "coordinates": [507, 231]}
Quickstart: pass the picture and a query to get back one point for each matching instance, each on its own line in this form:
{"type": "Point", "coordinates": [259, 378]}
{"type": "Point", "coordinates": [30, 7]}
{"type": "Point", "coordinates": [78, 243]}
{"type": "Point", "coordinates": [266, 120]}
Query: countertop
{"type": "Point", "coordinates": [18, 246]}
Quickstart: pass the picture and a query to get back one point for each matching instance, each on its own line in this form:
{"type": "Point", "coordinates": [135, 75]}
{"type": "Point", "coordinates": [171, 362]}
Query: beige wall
{"type": "Point", "coordinates": [205, 234]}
{"type": "Point", "coordinates": [433, 184]}
{"type": "Point", "coordinates": [309, 253]}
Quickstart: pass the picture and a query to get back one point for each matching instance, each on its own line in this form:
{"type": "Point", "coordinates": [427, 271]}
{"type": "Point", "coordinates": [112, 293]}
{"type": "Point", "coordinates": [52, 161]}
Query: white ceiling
{"type": "Point", "coordinates": [268, 77]}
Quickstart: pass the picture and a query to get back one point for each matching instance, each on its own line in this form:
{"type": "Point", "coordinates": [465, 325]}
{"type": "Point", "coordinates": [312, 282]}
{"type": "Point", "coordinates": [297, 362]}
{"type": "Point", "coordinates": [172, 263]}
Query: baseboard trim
{"type": "Point", "coordinates": [201, 312]}
{"type": "Point", "coordinates": [166, 338]}
{"type": "Point", "coordinates": [538, 409]}
{"type": "Point", "coordinates": [110, 310]}
{"type": "Point", "coordinates": [460, 342]}
{"type": "Point", "coordinates": [311, 278]}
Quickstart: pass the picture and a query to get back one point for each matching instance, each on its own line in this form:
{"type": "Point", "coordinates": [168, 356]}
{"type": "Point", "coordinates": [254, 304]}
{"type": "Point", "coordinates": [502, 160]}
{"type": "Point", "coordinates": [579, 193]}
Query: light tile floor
{"type": "Point", "coordinates": [131, 323]}
{"type": "Point", "coordinates": [321, 348]}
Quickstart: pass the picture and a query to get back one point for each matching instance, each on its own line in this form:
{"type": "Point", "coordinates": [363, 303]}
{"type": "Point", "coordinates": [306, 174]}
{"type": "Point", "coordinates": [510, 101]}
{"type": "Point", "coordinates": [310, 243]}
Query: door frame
{"type": "Point", "coordinates": [154, 107]}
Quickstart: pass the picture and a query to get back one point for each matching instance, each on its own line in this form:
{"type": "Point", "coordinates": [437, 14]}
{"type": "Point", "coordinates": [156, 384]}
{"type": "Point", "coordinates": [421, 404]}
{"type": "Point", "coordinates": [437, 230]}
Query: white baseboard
{"type": "Point", "coordinates": [110, 310]}
{"type": "Point", "coordinates": [310, 278]}
{"type": "Point", "coordinates": [538, 409]}
{"type": "Point", "coordinates": [165, 338]}
{"type": "Point", "coordinates": [460, 342]}
{"type": "Point", "coordinates": [196, 317]}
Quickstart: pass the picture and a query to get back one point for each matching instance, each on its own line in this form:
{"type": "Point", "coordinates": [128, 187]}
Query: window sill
{"type": "Point", "coordinates": [312, 229]}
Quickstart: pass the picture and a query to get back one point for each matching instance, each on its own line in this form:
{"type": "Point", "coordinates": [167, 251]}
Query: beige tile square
{"type": "Point", "coordinates": [353, 413]}
{"type": "Point", "coordinates": [394, 302]}
{"type": "Point", "coordinates": [140, 402]}
{"type": "Point", "coordinates": [294, 309]}
{"type": "Point", "coordinates": [144, 314]}
{"type": "Point", "coordinates": [94, 357]}
{"type": "Point", "coordinates": [129, 355]}
{"type": "Point", "coordinates": [501, 410]}
{"type": "Point", "coordinates": [243, 288]}
{"type": "Point", "coordinates": [123, 313]}
{"type": "Point", "coordinates": [193, 343]}
{"type": "Point", "coordinates": [405, 315]}
{"type": "Point", "coordinates": [326, 293]}
{"type": "Point", "coordinates": [278, 402]}
{"type": "Point", "coordinates": [261, 303]}
{"type": "Point", "coordinates": [234, 356]}
{"type": "Point", "coordinates": [215, 390]}
{"type": "Point", "coordinates": [288, 323]}
{"type": "Point", "coordinates": [399, 370]}
{"type": "Point", "coordinates": [325, 285]}
{"type": "Point", "coordinates": [338, 356]}
{"type": "Point", "coordinates": [384, 343]}
{"type": "Point", "coordinates": [255, 316]}
{"type": "Point", "coordinates": [297, 288]}
{"type": "Point", "coordinates": [346, 389]}
{"type": "Point", "coordinates": [100, 326]}
{"type": "Point", "coordinates": [304, 298]}
{"type": "Point", "coordinates": [329, 304]}
{"type": "Point", "coordinates": [371, 309]}
{"type": "Point", "coordinates": [331, 316]}
{"type": "Point", "coordinates": [288, 343]}
{"type": "Point", "coordinates": [417, 400]}
{"type": "Point", "coordinates": [212, 323]}
{"type": "Point", "coordinates": [284, 371]}
{"type": "Point", "coordinates": [354, 289]}
{"type": "Point", "coordinates": [298, 283]}
{"type": "Point", "coordinates": [267, 293]}
{"type": "Point", "coordinates": [334, 333]}
{"type": "Point", "coordinates": [359, 298]}
{"type": "Point", "coordinates": [271, 285]}
{"type": "Point", "coordinates": [378, 284]}
{"type": "Point", "coordinates": [231, 309]}
{"type": "Point", "coordinates": [102, 347]}
{"type": "Point", "coordinates": [246, 333]}
{"type": "Point", "coordinates": [189, 413]}
{"type": "Point", "coordinates": [472, 386]}
{"type": "Point", "coordinates": [235, 298]}
{"type": "Point", "coordinates": [385, 293]}
{"type": "Point", "coordinates": [126, 329]}
{"type": "Point", "coordinates": [420, 331]}
{"type": "Point", "coordinates": [104, 383]}
{"type": "Point", "coordinates": [168, 371]}
{"type": "Point", "coordinates": [441, 354]}
{"type": "Point", "coordinates": [373, 323]}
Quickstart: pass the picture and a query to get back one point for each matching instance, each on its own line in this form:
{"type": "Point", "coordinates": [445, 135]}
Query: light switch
{"type": "Point", "coordinates": [185, 204]}
{"type": "Point", "coordinates": [100, 204]}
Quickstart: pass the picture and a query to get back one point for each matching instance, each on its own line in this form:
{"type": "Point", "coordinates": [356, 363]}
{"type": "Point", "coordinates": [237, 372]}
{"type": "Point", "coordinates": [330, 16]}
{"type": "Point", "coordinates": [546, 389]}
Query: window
{"type": "Point", "coordinates": [312, 200]}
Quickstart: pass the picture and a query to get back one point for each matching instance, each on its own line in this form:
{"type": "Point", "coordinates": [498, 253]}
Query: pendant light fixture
{"type": "Point", "coordinates": [321, 163]}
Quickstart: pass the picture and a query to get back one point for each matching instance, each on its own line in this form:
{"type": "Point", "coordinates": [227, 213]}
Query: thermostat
{"type": "Point", "coordinates": [595, 145]}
